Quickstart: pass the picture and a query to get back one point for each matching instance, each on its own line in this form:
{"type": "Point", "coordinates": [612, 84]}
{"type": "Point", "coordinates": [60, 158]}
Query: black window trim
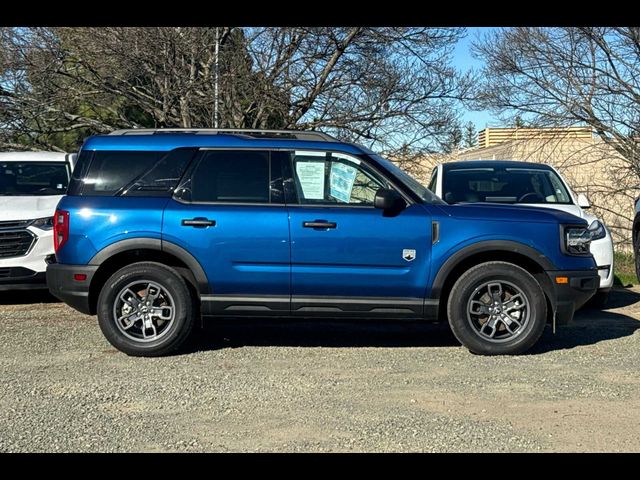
{"type": "Point", "coordinates": [198, 158]}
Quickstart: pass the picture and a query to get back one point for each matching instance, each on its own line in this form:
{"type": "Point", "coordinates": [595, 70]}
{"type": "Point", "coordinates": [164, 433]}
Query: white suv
{"type": "Point", "coordinates": [526, 184]}
{"type": "Point", "coordinates": [31, 184]}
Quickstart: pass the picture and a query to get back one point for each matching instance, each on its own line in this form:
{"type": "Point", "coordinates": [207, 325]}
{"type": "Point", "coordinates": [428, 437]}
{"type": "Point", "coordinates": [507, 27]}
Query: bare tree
{"type": "Point", "coordinates": [386, 87]}
{"type": "Point", "coordinates": [566, 76]}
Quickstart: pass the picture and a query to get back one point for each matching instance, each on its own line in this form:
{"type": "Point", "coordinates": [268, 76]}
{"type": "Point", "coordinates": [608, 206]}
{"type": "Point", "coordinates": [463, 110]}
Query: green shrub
{"type": "Point", "coordinates": [624, 269]}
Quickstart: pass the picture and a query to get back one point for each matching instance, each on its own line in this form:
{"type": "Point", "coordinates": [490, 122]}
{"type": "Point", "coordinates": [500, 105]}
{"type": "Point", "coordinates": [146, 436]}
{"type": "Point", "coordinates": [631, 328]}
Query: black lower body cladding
{"type": "Point", "coordinates": [572, 290]}
{"type": "Point", "coordinates": [70, 283]}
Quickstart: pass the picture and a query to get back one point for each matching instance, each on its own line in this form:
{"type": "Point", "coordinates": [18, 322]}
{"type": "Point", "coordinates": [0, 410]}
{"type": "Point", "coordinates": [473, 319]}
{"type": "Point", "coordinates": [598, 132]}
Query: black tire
{"type": "Point", "coordinates": [465, 324]}
{"type": "Point", "coordinates": [172, 286]}
{"type": "Point", "coordinates": [599, 300]}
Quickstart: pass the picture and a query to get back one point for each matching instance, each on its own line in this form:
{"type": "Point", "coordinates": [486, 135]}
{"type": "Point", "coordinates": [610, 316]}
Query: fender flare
{"type": "Point", "coordinates": [488, 245]}
{"type": "Point", "coordinates": [158, 245]}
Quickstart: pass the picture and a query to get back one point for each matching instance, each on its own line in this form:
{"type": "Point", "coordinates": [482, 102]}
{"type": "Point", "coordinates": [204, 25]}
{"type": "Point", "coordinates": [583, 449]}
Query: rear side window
{"type": "Point", "coordinates": [230, 176]}
{"type": "Point", "coordinates": [110, 172]}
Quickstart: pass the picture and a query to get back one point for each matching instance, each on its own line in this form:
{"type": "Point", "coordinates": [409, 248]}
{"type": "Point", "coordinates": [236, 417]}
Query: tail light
{"type": "Point", "coordinates": [60, 229]}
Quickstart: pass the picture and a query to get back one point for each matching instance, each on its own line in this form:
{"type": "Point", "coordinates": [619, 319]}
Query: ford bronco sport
{"type": "Point", "coordinates": [160, 228]}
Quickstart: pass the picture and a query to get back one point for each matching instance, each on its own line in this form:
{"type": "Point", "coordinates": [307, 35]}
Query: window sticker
{"type": "Point", "coordinates": [346, 158]}
{"type": "Point", "coordinates": [341, 181]}
{"type": "Point", "coordinates": [311, 176]}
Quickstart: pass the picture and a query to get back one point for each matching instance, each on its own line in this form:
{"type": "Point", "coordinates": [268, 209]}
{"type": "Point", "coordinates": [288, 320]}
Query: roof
{"type": "Point", "coordinates": [495, 164]}
{"type": "Point", "coordinates": [169, 141]}
{"type": "Point", "coordinates": [33, 156]}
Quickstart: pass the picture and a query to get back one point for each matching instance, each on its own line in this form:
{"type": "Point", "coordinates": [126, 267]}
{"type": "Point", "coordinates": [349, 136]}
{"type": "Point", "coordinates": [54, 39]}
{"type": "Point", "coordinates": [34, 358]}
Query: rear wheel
{"type": "Point", "coordinates": [497, 308]}
{"type": "Point", "coordinates": [145, 309]}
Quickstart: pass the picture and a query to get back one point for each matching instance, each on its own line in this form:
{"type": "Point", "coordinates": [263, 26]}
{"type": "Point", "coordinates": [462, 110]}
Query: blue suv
{"type": "Point", "coordinates": [160, 228]}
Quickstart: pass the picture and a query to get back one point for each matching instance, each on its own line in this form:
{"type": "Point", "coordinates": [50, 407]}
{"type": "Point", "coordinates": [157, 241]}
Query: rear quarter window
{"type": "Point", "coordinates": [129, 173]}
{"type": "Point", "coordinates": [110, 172]}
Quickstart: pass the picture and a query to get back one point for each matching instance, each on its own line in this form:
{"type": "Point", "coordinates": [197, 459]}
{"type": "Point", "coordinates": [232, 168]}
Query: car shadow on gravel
{"type": "Point", "coordinates": [237, 333]}
{"type": "Point", "coordinates": [621, 297]}
{"type": "Point", "coordinates": [591, 325]}
{"type": "Point", "coordinates": [22, 297]}
{"type": "Point", "coordinates": [586, 329]}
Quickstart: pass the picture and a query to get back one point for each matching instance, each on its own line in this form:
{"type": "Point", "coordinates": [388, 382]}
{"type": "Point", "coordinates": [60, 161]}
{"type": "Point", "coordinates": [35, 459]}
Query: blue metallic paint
{"type": "Point", "coordinates": [362, 256]}
{"type": "Point", "coordinates": [246, 252]}
{"type": "Point", "coordinates": [97, 222]}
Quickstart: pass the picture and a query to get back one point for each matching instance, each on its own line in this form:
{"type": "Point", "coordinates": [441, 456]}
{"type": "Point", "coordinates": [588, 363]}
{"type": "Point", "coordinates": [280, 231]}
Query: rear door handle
{"type": "Point", "coordinates": [198, 222]}
{"type": "Point", "coordinates": [319, 224]}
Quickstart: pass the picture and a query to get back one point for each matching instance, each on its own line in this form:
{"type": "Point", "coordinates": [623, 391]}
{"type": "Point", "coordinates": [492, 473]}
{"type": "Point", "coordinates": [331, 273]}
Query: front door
{"type": "Point", "coordinates": [347, 257]}
{"type": "Point", "coordinates": [230, 215]}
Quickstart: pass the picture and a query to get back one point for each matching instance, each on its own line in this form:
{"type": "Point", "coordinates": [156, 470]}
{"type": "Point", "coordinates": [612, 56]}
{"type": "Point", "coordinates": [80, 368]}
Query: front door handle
{"type": "Point", "coordinates": [321, 224]}
{"type": "Point", "coordinates": [198, 222]}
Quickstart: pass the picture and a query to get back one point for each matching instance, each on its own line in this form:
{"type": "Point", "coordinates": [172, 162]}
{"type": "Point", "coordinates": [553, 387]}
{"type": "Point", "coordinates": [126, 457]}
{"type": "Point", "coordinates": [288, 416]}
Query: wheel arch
{"type": "Point", "coordinates": [125, 252]}
{"type": "Point", "coordinates": [516, 253]}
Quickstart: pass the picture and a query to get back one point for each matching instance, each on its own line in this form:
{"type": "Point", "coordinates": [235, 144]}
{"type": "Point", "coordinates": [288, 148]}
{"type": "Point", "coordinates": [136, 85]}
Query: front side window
{"type": "Point", "coordinates": [225, 176]}
{"type": "Point", "coordinates": [33, 178]}
{"type": "Point", "coordinates": [329, 178]}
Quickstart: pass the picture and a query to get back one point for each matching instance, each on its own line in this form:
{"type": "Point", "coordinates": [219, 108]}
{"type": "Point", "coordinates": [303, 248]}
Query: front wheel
{"type": "Point", "coordinates": [145, 309]}
{"type": "Point", "coordinates": [497, 308]}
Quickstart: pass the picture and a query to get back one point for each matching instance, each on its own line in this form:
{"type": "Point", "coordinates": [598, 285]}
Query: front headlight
{"type": "Point", "coordinates": [45, 223]}
{"type": "Point", "coordinates": [577, 240]}
{"type": "Point", "coordinates": [597, 230]}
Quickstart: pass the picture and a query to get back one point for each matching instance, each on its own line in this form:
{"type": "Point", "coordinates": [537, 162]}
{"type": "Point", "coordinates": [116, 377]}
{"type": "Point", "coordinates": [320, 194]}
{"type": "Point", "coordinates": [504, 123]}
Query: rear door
{"type": "Point", "coordinates": [229, 214]}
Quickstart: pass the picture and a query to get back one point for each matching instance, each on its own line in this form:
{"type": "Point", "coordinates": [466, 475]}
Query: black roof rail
{"type": "Point", "coordinates": [291, 134]}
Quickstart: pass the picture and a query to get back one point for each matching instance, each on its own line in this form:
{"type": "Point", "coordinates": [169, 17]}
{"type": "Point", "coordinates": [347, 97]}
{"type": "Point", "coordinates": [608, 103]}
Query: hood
{"type": "Point", "coordinates": [27, 208]}
{"type": "Point", "coordinates": [572, 209]}
{"type": "Point", "coordinates": [510, 213]}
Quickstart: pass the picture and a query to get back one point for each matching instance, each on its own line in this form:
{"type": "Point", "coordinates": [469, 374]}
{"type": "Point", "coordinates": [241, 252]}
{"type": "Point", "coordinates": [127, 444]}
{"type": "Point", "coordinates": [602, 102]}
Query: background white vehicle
{"type": "Point", "coordinates": [31, 184]}
{"type": "Point", "coordinates": [526, 184]}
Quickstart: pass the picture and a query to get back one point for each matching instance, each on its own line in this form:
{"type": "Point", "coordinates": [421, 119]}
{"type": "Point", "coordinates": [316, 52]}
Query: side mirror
{"type": "Point", "coordinates": [583, 201]}
{"type": "Point", "coordinates": [389, 201]}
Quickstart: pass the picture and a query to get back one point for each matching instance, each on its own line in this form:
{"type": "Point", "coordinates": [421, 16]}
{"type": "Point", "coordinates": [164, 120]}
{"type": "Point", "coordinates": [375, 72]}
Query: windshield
{"type": "Point", "coordinates": [33, 178]}
{"type": "Point", "coordinates": [425, 194]}
{"type": "Point", "coordinates": [504, 185]}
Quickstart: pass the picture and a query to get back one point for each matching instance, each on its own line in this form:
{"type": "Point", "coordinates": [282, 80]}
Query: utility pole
{"type": "Point", "coordinates": [215, 87]}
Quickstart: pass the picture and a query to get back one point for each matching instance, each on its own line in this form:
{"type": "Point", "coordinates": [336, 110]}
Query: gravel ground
{"type": "Point", "coordinates": [267, 386]}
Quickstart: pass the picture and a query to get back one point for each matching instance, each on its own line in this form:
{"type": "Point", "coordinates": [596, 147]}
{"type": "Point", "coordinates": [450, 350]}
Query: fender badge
{"type": "Point", "coordinates": [409, 255]}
